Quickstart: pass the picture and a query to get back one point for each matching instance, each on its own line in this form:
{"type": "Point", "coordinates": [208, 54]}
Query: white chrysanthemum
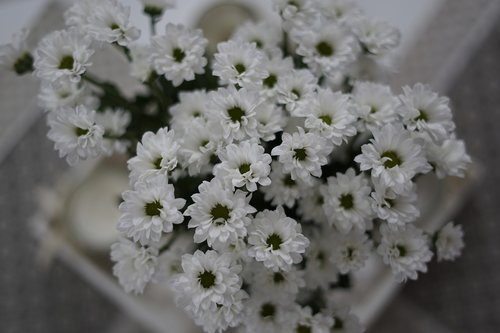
{"type": "Point", "coordinates": [276, 240]}
{"type": "Point", "coordinates": [302, 154]}
{"type": "Point", "coordinates": [179, 53]}
{"type": "Point", "coordinates": [115, 124]}
{"type": "Point", "coordinates": [63, 54]}
{"type": "Point", "coordinates": [347, 202]}
{"type": "Point", "coordinates": [449, 242]}
{"type": "Point", "coordinates": [239, 63]}
{"type": "Point", "coordinates": [297, 14]}
{"type": "Point", "coordinates": [235, 111]}
{"type": "Point", "coordinates": [244, 165]}
{"type": "Point", "coordinates": [310, 204]}
{"type": "Point", "coordinates": [16, 55]}
{"type": "Point", "coordinates": [283, 286]}
{"type": "Point", "coordinates": [405, 250]}
{"type": "Point", "coordinates": [375, 104]}
{"type": "Point", "coordinates": [198, 146]}
{"type": "Point", "coordinates": [140, 65]}
{"type": "Point", "coordinates": [320, 272]}
{"type": "Point", "coordinates": [376, 37]}
{"type": "Point", "coordinates": [396, 209]}
{"type": "Point", "coordinates": [305, 321]}
{"type": "Point", "coordinates": [277, 67]}
{"type": "Point", "coordinates": [296, 90]}
{"type": "Point", "coordinates": [106, 21]}
{"type": "Point", "coordinates": [266, 314]}
{"type": "Point", "coordinates": [218, 214]}
{"type": "Point", "coordinates": [169, 260]}
{"type": "Point", "coordinates": [156, 154]}
{"type": "Point", "coordinates": [75, 133]}
{"type": "Point", "coordinates": [207, 280]}
{"type": "Point", "coordinates": [393, 157]}
{"type": "Point", "coordinates": [448, 158]}
{"type": "Point", "coordinates": [149, 210]}
{"type": "Point", "coordinates": [191, 105]}
{"type": "Point", "coordinates": [350, 251]}
{"type": "Point", "coordinates": [271, 119]}
{"type": "Point", "coordinates": [65, 93]}
{"type": "Point", "coordinates": [328, 50]}
{"type": "Point", "coordinates": [265, 35]}
{"type": "Point", "coordinates": [344, 321]}
{"type": "Point", "coordinates": [283, 189]}
{"type": "Point", "coordinates": [341, 11]}
{"type": "Point", "coordinates": [330, 115]}
{"type": "Point", "coordinates": [237, 249]}
{"type": "Point", "coordinates": [134, 265]}
{"type": "Point", "coordinates": [426, 112]}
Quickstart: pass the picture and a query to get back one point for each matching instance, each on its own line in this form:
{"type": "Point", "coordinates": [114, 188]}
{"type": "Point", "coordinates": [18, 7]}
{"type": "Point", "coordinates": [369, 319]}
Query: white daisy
{"type": "Point", "coordinates": [393, 157]}
{"type": "Point", "coordinates": [426, 112]}
{"type": "Point", "coordinates": [271, 119]}
{"type": "Point", "coordinates": [284, 286]}
{"type": "Point", "coordinates": [75, 133]}
{"type": "Point", "coordinates": [239, 63]}
{"type": "Point", "coordinates": [302, 154]}
{"type": "Point", "coordinates": [140, 65]}
{"type": "Point", "coordinates": [449, 242]}
{"type": "Point", "coordinates": [283, 189]}
{"type": "Point", "coordinates": [376, 37]}
{"type": "Point", "coordinates": [149, 210]}
{"type": "Point", "coordinates": [244, 165]}
{"type": "Point", "coordinates": [350, 251]}
{"type": "Point", "coordinates": [405, 250]}
{"type": "Point", "coordinates": [191, 105]}
{"type": "Point", "coordinates": [16, 55]}
{"type": "Point", "coordinates": [65, 93]}
{"type": "Point", "coordinates": [347, 202]}
{"type": "Point", "coordinates": [115, 124]}
{"type": "Point", "coordinates": [305, 321]}
{"type": "Point", "coordinates": [276, 240]}
{"type": "Point", "coordinates": [297, 14]}
{"type": "Point", "coordinates": [156, 154]}
{"type": "Point", "coordinates": [277, 67]}
{"type": "Point", "coordinates": [330, 115]}
{"type": "Point", "coordinates": [134, 265]}
{"type": "Point", "coordinates": [266, 314]}
{"type": "Point", "coordinates": [179, 53]}
{"type": "Point", "coordinates": [296, 90]}
{"type": "Point", "coordinates": [320, 272]}
{"type": "Point", "coordinates": [310, 204]}
{"type": "Point", "coordinates": [449, 158]}
{"type": "Point", "coordinates": [63, 54]}
{"type": "Point", "coordinates": [218, 214]}
{"type": "Point", "coordinates": [265, 35]}
{"type": "Point", "coordinates": [344, 321]}
{"type": "Point", "coordinates": [341, 11]}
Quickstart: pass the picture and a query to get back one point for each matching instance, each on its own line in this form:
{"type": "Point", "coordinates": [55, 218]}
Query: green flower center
{"type": "Point", "coordinates": [153, 208]}
{"type": "Point", "coordinates": [157, 163]}
{"type": "Point", "coordinates": [392, 159]}
{"type": "Point", "coordinates": [296, 92]}
{"type": "Point", "coordinates": [422, 116]}
{"type": "Point", "coordinates": [207, 279]}
{"type": "Point", "coordinates": [81, 131]}
{"type": "Point", "coordinates": [300, 154]}
{"type": "Point", "coordinates": [178, 54]}
{"type": "Point", "coordinates": [153, 11]}
{"type": "Point", "coordinates": [326, 119]}
{"type": "Point", "coordinates": [270, 81]}
{"type": "Point", "coordinates": [258, 43]}
{"type": "Point", "coordinates": [114, 26]}
{"type": "Point", "coordinates": [220, 212]}
{"type": "Point", "coordinates": [240, 68]}
{"type": "Point", "coordinates": [267, 310]}
{"type": "Point", "coordinates": [274, 240]}
{"type": "Point", "coordinates": [346, 201]}
{"type": "Point", "coordinates": [278, 278]}
{"type": "Point", "coordinates": [67, 62]}
{"type": "Point", "coordinates": [24, 64]}
{"type": "Point", "coordinates": [236, 113]}
{"type": "Point", "coordinates": [244, 168]}
{"type": "Point", "coordinates": [402, 250]}
{"type": "Point", "coordinates": [339, 323]}
{"type": "Point", "coordinates": [324, 49]}
{"type": "Point", "coordinates": [303, 329]}
{"type": "Point", "coordinates": [288, 181]}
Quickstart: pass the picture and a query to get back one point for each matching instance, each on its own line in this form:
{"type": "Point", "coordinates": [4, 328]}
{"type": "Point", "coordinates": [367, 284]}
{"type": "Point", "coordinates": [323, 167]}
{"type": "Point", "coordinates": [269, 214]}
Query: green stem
{"type": "Point", "coordinates": [152, 21]}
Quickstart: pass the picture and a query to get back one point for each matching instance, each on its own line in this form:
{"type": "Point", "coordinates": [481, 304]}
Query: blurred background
{"type": "Point", "coordinates": [452, 44]}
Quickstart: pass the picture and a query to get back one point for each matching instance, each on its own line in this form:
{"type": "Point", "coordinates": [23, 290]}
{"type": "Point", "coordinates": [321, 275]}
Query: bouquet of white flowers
{"type": "Point", "coordinates": [263, 175]}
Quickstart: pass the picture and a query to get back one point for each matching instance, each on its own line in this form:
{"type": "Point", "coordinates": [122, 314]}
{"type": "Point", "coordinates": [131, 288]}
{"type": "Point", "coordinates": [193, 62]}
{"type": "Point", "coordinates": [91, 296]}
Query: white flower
{"type": "Point", "coordinates": [320, 271]}
{"type": "Point", "coordinates": [270, 120]}
{"type": "Point", "coordinates": [426, 112]}
{"type": "Point", "coordinates": [277, 67]}
{"type": "Point", "coordinates": [448, 158]}
{"type": "Point", "coordinates": [350, 251]}
{"type": "Point", "coordinates": [140, 65]}
{"type": "Point", "coordinates": [376, 105]}
{"type": "Point", "coordinates": [208, 279]}
{"type": "Point", "coordinates": [16, 55]}
{"type": "Point", "coordinates": [169, 260]}
{"type": "Point", "coordinates": [179, 53]}
{"type": "Point", "coordinates": [219, 215]}
{"type": "Point", "coordinates": [134, 265]}
{"type": "Point", "coordinates": [310, 204]}
{"type": "Point", "coordinates": [396, 209]}
{"type": "Point", "coordinates": [63, 54]}
{"type": "Point", "coordinates": [106, 21]}
{"type": "Point", "coordinates": [265, 35]}
{"type": "Point", "coordinates": [191, 105]}
{"type": "Point", "coordinates": [376, 37]}
{"type": "Point", "coordinates": [266, 314]}
{"type": "Point", "coordinates": [276, 240]}
{"type": "Point", "coordinates": [244, 164]}
{"type": "Point", "coordinates": [239, 63]}
{"type": "Point", "coordinates": [330, 115]}
{"type": "Point", "coordinates": [235, 111]}
{"type": "Point", "coordinates": [296, 90]}
{"type": "Point", "coordinates": [405, 250]}
{"type": "Point", "coordinates": [229, 314]}
{"type": "Point", "coordinates": [283, 286]}
{"type": "Point", "coordinates": [344, 321]}
{"type": "Point", "coordinates": [75, 133]}
{"type": "Point", "coordinates": [149, 210]}
{"type": "Point", "coordinates": [115, 124]}
{"type": "Point", "coordinates": [65, 93]}
{"type": "Point", "coordinates": [328, 50]}
{"type": "Point", "coordinates": [341, 11]}
{"type": "Point", "coordinates": [283, 189]}
{"type": "Point", "coordinates": [449, 242]}
{"type": "Point", "coordinates": [156, 154]}
{"type": "Point", "coordinates": [347, 202]}
{"type": "Point", "coordinates": [297, 14]}
{"type": "Point", "coordinates": [305, 321]}
{"type": "Point", "coordinates": [302, 154]}
{"type": "Point", "coordinates": [393, 157]}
